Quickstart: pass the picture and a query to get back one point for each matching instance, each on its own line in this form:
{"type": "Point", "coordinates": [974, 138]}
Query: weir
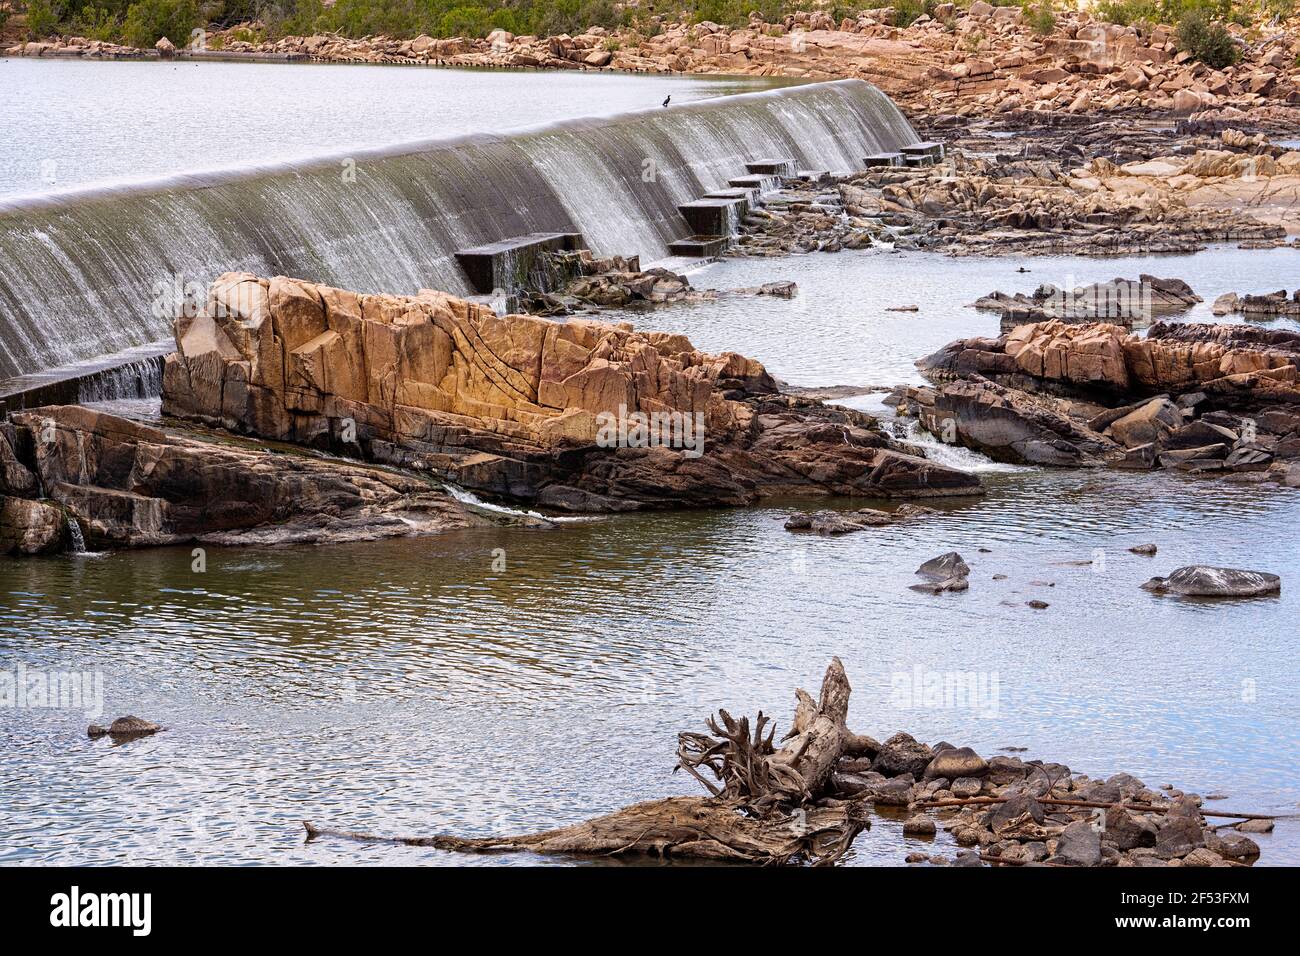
{"type": "Point", "coordinates": [80, 270]}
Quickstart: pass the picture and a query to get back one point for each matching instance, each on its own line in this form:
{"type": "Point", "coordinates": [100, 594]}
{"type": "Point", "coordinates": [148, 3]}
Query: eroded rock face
{"type": "Point", "coordinates": [129, 484]}
{"type": "Point", "coordinates": [1007, 424]}
{"type": "Point", "coordinates": [576, 415]}
{"type": "Point", "coordinates": [1208, 398]}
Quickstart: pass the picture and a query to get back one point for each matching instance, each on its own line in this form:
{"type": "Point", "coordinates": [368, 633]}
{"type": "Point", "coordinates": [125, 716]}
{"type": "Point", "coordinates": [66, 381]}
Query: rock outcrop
{"type": "Point", "coordinates": [576, 415]}
{"type": "Point", "coordinates": [127, 484]}
{"type": "Point", "coordinates": [1186, 396]}
{"type": "Point", "coordinates": [1124, 302]}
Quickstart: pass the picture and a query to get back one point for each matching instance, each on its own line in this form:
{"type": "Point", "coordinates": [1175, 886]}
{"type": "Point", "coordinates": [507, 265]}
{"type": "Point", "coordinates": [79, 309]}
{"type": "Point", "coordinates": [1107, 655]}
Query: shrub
{"type": "Point", "coordinates": [95, 23]}
{"type": "Point", "coordinates": [907, 12]}
{"type": "Point", "coordinates": [1041, 19]}
{"type": "Point", "coordinates": [466, 22]}
{"type": "Point", "coordinates": [149, 20]}
{"type": "Point", "coordinates": [1127, 12]}
{"type": "Point", "coordinates": [1207, 40]}
{"type": "Point", "coordinates": [43, 18]}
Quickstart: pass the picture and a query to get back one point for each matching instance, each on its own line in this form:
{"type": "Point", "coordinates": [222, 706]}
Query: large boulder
{"type": "Point", "coordinates": [954, 763]}
{"type": "Point", "coordinates": [900, 754]}
{"type": "Point", "coordinates": [29, 527]}
{"type": "Point", "coordinates": [1200, 580]}
{"type": "Point", "coordinates": [578, 414]}
{"type": "Point", "coordinates": [1009, 425]}
{"type": "Point", "coordinates": [1078, 845]}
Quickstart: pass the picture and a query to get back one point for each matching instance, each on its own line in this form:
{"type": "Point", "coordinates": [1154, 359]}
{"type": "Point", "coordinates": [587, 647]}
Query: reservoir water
{"type": "Point", "coordinates": [417, 686]}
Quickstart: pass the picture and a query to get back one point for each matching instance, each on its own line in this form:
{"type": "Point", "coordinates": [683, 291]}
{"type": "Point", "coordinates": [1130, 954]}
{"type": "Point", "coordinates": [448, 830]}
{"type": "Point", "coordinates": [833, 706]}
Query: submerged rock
{"type": "Point", "coordinates": [128, 726]}
{"type": "Point", "coordinates": [1200, 580]}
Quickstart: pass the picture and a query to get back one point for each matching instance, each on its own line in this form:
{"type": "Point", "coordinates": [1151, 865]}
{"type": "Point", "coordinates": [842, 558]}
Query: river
{"type": "Point", "coordinates": [418, 686]}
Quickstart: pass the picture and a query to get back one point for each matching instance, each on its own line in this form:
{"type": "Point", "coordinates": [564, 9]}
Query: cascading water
{"type": "Point", "coordinates": [80, 271]}
{"type": "Point", "coordinates": [76, 538]}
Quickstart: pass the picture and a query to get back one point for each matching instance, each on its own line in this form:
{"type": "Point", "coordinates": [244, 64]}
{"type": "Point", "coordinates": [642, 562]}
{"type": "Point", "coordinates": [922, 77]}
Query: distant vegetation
{"type": "Point", "coordinates": [142, 22]}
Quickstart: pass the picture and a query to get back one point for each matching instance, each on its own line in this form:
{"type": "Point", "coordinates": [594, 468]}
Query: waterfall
{"type": "Point", "coordinates": [84, 269]}
{"type": "Point", "coordinates": [78, 545]}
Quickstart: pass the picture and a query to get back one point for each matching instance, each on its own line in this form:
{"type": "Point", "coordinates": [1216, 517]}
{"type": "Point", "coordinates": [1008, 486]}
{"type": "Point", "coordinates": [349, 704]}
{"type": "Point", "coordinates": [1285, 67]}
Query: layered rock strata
{"type": "Point", "coordinates": [126, 484]}
{"type": "Point", "coordinates": [576, 415]}
{"type": "Point", "coordinates": [1191, 397]}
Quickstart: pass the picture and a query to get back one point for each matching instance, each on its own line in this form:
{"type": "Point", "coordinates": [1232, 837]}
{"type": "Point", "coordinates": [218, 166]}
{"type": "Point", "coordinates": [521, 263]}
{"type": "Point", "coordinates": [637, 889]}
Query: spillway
{"type": "Point", "coordinates": [82, 272]}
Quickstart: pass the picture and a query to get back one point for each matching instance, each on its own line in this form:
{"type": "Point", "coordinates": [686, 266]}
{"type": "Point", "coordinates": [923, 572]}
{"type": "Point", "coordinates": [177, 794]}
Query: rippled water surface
{"type": "Point", "coordinates": [407, 686]}
{"type": "Point", "coordinates": [75, 122]}
{"type": "Point", "coordinates": [416, 686]}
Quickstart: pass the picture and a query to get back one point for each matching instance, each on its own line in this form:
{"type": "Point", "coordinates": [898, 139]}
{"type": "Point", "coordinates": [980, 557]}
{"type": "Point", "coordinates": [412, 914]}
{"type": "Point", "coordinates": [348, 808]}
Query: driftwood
{"type": "Point", "coordinates": [766, 805]}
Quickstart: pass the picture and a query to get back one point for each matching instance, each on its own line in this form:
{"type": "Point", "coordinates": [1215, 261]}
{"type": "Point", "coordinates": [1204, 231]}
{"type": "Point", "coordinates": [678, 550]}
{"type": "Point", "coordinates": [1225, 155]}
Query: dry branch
{"type": "Point", "coordinates": [767, 806]}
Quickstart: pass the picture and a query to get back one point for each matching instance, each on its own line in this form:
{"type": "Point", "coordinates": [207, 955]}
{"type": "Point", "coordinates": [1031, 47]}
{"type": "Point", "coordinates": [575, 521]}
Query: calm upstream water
{"type": "Point", "coordinates": [76, 122]}
{"type": "Point", "coordinates": [419, 686]}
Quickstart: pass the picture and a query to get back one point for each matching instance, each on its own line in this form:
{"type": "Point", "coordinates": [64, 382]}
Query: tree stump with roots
{"type": "Point", "coordinates": [766, 805]}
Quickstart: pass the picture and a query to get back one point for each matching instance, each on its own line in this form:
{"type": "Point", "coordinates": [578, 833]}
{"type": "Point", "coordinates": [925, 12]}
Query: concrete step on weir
{"type": "Point", "coordinates": [132, 373]}
{"type": "Point", "coordinates": [932, 149]}
{"type": "Point", "coordinates": [505, 265]}
{"type": "Point", "coordinates": [713, 217]}
{"type": "Point", "coordinates": [814, 176]}
{"type": "Point", "coordinates": [771, 167]}
{"type": "Point", "coordinates": [884, 159]}
{"type": "Point", "coordinates": [748, 198]}
{"type": "Point", "coordinates": [699, 247]}
{"type": "Point", "coordinates": [763, 183]}
{"type": "Point", "coordinates": [918, 159]}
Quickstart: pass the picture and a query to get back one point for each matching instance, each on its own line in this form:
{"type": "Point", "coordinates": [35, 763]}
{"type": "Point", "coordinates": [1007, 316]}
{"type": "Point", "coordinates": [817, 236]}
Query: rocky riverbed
{"type": "Point", "coordinates": [578, 416]}
{"type": "Point", "coordinates": [975, 60]}
{"type": "Point", "coordinates": [1013, 812]}
{"type": "Point", "coordinates": [1119, 192]}
{"type": "Point", "coordinates": [1212, 400]}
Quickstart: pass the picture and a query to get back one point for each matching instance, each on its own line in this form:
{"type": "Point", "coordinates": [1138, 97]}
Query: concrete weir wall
{"type": "Point", "coordinates": [80, 270]}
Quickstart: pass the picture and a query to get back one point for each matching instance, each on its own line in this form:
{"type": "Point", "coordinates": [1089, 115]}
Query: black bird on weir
{"type": "Point", "coordinates": [667, 98]}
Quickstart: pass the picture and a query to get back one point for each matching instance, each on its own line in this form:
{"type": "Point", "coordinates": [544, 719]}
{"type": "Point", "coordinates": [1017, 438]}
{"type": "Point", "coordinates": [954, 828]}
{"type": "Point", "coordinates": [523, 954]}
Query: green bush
{"type": "Point", "coordinates": [95, 23]}
{"type": "Point", "coordinates": [1207, 40]}
{"type": "Point", "coordinates": [43, 17]}
{"type": "Point", "coordinates": [1041, 18]}
{"type": "Point", "coordinates": [466, 22]}
{"type": "Point", "coordinates": [1127, 12]}
{"type": "Point", "coordinates": [149, 20]}
{"type": "Point", "coordinates": [907, 12]}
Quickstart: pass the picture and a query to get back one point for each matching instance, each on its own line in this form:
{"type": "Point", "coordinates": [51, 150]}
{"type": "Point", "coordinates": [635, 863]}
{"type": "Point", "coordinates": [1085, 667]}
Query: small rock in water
{"type": "Point", "coordinates": [966, 787]}
{"type": "Point", "coordinates": [945, 566]}
{"type": "Point", "coordinates": [904, 308]}
{"type": "Point", "coordinates": [1037, 605]}
{"type": "Point", "coordinates": [919, 825]}
{"type": "Point", "coordinates": [938, 587]}
{"type": "Point", "coordinates": [999, 577]}
{"type": "Point", "coordinates": [1145, 549]}
{"type": "Point", "coordinates": [915, 857]}
{"type": "Point", "coordinates": [1199, 580]}
{"type": "Point", "coordinates": [1257, 825]}
{"type": "Point", "coordinates": [128, 726]}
